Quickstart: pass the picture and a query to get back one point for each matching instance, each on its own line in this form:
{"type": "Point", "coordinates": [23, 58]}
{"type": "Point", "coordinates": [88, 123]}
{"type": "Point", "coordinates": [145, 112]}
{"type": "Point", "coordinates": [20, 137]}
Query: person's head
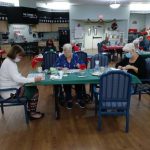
{"type": "Point", "coordinates": [130, 50]}
{"type": "Point", "coordinates": [141, 38]}
{"type": "Point", "coordinates": [121, 39]}
{"type": "Point", "coordinates": [73, 43]}
{"type": "Point", "coordinates": [16, 53]}
{"type": "Point", "coordinates": [107, 38]}
{"type": "Point", "coordinates": [67, 49]}
{"type": "Point", "coordinates": [49, 42]}
{"type": "Point", "coordinates": [136, 43]}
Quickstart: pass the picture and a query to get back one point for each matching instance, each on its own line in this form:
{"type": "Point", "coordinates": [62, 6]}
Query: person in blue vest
{"type": "Point", "coordinates": [70, 60]}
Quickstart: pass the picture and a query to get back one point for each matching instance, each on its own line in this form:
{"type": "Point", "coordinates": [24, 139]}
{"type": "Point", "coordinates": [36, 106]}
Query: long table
{"type": "Point", "coordinates": [145, 54]}
{"type": "Point", "coordinates": [114, 49]}
{"type": "Point", "coordinates": [72, 78]}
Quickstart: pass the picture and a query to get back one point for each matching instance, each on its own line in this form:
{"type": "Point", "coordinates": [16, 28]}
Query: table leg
{"type": "Point", "coordinates": [57, 109]}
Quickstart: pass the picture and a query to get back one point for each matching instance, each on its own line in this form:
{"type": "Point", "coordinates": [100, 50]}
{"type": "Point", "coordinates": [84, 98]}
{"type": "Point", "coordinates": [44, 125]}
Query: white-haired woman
{"type": "Point", "coordinates": [75, 48]}
{"type": "Point", "coordinates": [136, 44]}
{"type": "Point", "coordinates": [69, 60]}
{"type": "Point", "coordinates": [132, 62]}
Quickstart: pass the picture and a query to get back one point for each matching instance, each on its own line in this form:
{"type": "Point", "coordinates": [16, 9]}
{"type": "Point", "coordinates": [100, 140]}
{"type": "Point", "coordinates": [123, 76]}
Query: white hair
{"type": "Point", "coordinates": [67, 47]}
{"type": "Point", "coordinates": [129, 47]}
{"type": "Point", "coordinates": [140, 38]}
{"type": "Point", "coordinates": [136, 41]}
{"type": "Point", "coordinates": [73, 42]}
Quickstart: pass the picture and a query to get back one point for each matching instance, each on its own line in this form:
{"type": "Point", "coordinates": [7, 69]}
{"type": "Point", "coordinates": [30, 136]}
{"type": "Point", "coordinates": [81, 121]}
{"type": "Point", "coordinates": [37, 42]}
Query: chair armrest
{"type": "Point", "coordinates": [9, 89]}
{"type": "Point", "coordinates": [148, 80]}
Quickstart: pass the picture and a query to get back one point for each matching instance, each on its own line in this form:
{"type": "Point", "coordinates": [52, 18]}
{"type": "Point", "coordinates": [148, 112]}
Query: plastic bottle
{"type": "Point", "coordinates": [96, 68]}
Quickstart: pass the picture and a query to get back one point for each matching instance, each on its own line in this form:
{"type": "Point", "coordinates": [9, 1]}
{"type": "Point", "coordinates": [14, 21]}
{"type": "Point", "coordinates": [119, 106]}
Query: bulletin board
{"type": "Point", "coordinates": [79, 33]}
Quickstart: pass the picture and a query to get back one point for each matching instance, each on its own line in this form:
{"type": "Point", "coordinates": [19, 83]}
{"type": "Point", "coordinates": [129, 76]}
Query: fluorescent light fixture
{"type": "Point", "coordinates": [140, 7]}
{"type": "Point", "coordinates": [55, 5]}
{"type": "Point", "coordinates": [15, 2]}
{"type": "Point", "coordinates": [114, 5]}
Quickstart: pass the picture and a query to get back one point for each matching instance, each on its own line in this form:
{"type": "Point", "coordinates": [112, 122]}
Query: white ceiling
{"type": "Point", "coordinates": [101, 2]}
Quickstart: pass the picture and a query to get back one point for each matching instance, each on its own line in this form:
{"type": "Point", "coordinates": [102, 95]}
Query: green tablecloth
{"type": "Point", "coordinates": [74, 78]}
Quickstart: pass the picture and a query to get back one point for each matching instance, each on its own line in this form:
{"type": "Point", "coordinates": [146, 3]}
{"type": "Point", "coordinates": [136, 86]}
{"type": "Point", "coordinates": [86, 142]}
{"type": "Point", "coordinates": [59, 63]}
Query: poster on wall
{"type": "Point", "coordinates": [79, 33]}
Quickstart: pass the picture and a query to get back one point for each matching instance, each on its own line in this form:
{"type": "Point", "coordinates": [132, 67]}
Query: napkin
{"type": "Point", "coordinates": [55, 77]}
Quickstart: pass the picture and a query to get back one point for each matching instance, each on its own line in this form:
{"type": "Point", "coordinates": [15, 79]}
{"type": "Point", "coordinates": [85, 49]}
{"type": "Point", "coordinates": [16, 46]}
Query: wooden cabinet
{"type": "Point", "coordinates": [49, 27]}
{"type": "Point", "coordinates": [6, 47]}
{"type": "Point", "coordinates": [42, 27]}
{"type": "Point", "coordinates": [42, 43]}
{"type": "Point", "coordinates": [57, 26]}
{"type": "Point", "coordinates": [3, 26]}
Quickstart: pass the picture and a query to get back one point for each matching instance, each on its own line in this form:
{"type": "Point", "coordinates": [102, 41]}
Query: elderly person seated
{"type": "Point", "coordinates": [120, 42]}
{"type": "Point", "coordinates": [136, 44]}
{"type": "Point", "coordinates": [69, 60]}
{"type": "Point", "coordinates": [133, 62]}
{"type": "Point", "coordinates": [11, 78]}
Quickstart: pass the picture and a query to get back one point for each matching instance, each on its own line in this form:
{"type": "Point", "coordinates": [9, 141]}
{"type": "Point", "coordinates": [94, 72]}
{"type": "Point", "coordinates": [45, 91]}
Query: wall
{"type": "Point", "coordinates": [80, 14]}
{"type": "Point", "coordinates": [22, 30]}
{"type": "Point", "coordinates": [27, 3]}
{"type": "Point", "coordinates": [147, 21]}
{"type": "Point", "coordinates": [137, 21]}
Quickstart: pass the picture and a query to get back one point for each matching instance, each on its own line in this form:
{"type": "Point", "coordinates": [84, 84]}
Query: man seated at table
{"type": "Point", "coordinates": [106, 42]}
{"type": "Point", "coordinates": [120, 42]}
{"type": "Point", "coordinates": [69, 60]}
{"type": "Point", "coordinates": [133, 62]}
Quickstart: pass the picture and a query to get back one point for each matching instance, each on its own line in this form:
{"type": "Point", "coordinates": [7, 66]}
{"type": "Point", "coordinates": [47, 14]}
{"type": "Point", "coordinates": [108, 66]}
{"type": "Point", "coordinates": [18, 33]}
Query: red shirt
{"type": "Point", "coordinates": [75, 48]}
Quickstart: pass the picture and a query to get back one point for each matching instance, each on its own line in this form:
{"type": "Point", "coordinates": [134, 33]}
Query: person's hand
{"type": "Point", "coordinates": [127, 67]}
{"type": "Point", "coordinates": [36, 79]}
{"type": "Point", "coordinates": [78, 65]}
{"type": "Point", "coordinates": [120, 67]}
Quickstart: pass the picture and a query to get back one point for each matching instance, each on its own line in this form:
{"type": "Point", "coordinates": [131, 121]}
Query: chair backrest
{"type": "Point", "coordinates": [14, 101]}
{"type": "Point", "coordinates": [49, 60]}
{"type": "Point", "coordinates": [103, 60]}
{"type": "Point", "coordinates": [148, 67]}
{"type": "Point", "coordinates": [82, 56]}
{"type": "Point", "coordinates": [115, 88]}
{"type": "Point", "coordinates": [99, 46]}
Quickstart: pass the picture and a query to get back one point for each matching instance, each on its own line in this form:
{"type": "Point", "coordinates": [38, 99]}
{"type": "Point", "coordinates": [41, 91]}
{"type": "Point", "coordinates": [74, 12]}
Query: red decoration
{"type": "Point", "coordinates": [132, 30]}
{"type": "Point", "coordinates": [114, 26]}
{"type": "Point", "coordinates": [35, 61]}
{"type": "Point", "coordinates": [148, 37]}
{"type": "Point", "coordinates": [82, 66]}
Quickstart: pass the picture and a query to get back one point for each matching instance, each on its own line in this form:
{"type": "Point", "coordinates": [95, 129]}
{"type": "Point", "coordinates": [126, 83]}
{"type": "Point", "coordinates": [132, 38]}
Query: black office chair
{"type": "Point", "coordinates": [17, 101]}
